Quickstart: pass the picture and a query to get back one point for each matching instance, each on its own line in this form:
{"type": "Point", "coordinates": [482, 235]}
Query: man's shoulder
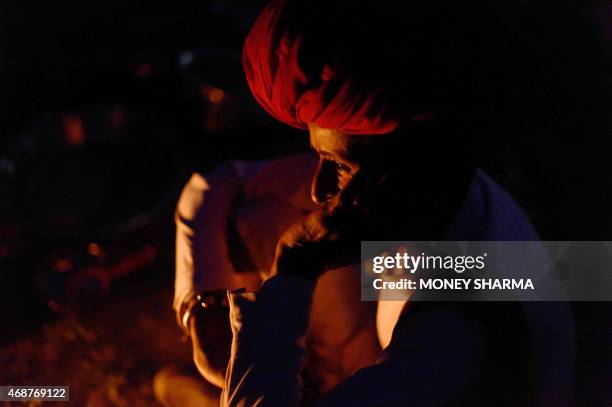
{"type": "Point", "coordinates": [490, 213]}
{"type": "Point", "coordinates": [286, 179]}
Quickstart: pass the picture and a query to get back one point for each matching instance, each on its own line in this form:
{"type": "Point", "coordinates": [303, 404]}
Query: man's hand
{"type": "Point", "coordinates": [211, 337]}
{"type": "Point", "coordinates": [318, 242]}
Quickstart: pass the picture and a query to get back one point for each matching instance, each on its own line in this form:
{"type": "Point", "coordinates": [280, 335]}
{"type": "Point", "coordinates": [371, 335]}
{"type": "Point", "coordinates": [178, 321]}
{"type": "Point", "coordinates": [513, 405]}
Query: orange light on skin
{"type": "Point", "coordinates": [74, 131]}
{"type": "Point", "coordinates": [144, 71]}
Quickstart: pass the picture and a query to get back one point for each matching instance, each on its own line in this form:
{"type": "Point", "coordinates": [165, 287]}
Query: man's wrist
{"type": "Point", "coordinates": [197, 303]}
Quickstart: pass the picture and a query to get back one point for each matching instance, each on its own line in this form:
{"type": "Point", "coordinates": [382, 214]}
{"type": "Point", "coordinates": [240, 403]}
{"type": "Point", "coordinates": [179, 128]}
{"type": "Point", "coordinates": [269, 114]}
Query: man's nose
{"type": "Point", "coordinates": [324, 184]}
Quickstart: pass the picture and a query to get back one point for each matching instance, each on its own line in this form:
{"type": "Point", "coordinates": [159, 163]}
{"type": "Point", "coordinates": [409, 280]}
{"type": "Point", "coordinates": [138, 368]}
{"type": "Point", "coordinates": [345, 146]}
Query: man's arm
{"type": "Point", "coordinates": [203, 211]}
{"type": "Point", "coordinates": [202, 253]}
{"type": "Point", "coordinates": [436, 354]}
{"type": "Point", "coordinates": [433, 356]}
{"type": "Point", "coordinates": [203, 263]}
{"type": "Point", "coordinates": [211, 339]}
{"type": "Point", "coordinates": [201, 217]}
{"type": "Point", "coordinates": [268, 348]}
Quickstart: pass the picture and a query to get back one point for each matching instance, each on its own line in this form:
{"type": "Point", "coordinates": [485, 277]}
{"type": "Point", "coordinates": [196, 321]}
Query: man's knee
{"type": "Point", "coordinates": [176, 388]}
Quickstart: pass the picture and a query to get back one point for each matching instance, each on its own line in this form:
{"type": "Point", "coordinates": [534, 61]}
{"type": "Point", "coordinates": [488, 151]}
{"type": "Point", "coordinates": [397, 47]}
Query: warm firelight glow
{"type": "Point", "coordinates": [117, 119]}
{"type": "Point", "coordinates": [214, 95]}
{"type": "Point", "coordinates": [94, 249]}
{"type": "Point", "coordinates": [144, 71]}
{"type": "Point", "coordinates": [62, 265]}
{"type": "Point", "coordinates": [74, 131]}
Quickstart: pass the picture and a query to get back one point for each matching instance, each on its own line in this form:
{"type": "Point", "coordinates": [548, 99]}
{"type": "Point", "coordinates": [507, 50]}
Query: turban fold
{"type": "Point", "coordinates": [299, 90]}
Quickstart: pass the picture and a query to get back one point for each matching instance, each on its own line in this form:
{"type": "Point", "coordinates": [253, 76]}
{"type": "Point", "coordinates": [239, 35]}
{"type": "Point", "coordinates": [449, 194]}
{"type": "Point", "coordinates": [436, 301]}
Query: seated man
{"type": "Point", "coordinates": [434, 353]}
{"type": "Point", "coordinates": [389, 136]}
{"type": "Point", "coordinates": [228, 223]}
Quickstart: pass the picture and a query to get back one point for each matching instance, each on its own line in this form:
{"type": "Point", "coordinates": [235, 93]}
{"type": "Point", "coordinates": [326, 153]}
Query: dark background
{"type": "Point", "coordinates": [106, 107]}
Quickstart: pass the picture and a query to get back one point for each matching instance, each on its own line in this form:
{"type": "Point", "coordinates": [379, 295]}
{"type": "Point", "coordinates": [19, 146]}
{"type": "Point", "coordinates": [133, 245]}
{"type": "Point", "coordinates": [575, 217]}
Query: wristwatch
{"type": "Point", "coordinates": [200, 301]}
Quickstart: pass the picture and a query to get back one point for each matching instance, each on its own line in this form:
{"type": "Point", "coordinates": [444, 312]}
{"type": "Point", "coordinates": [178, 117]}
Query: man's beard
{"type": "Point", "coordinates": [362, 222]}
{"type": "Point", "coordinates": [388, 215]}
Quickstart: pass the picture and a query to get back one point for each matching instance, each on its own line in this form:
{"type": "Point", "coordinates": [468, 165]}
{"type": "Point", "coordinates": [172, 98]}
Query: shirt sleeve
{"type": "Point", "coordinates": [206, 204]}
{"type": "Point", "coordinates": [201, 218]}
{"type": "Point", "coordinates": [268, 343]}
{"type": "Point", "coordinates": [434, 355]}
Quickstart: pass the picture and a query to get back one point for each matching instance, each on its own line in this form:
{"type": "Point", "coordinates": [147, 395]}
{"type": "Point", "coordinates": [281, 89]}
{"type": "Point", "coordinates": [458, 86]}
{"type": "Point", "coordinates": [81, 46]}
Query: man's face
{"type": "Point", "coordinates": [344, 167]}
{"type": "Point", "coordinates": [382, 186]}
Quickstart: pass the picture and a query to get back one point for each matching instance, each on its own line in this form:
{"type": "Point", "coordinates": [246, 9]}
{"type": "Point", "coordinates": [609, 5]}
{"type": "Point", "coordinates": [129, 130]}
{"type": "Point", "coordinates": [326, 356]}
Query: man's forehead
{"type": "Point", "coordinates": [328, 141]}
{"type": "Point", "coordinates": [333, 143]}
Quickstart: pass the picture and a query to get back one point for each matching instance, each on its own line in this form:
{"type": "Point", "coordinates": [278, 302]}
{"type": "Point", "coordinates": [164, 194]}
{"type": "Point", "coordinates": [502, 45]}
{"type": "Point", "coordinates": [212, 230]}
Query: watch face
{"type": "Point", "coordinates": [217, 297]}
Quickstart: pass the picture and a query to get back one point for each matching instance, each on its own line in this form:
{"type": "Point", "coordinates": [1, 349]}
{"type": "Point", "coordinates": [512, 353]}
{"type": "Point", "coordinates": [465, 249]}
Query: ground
{"type": "Point", "coordinates": [108, 354]}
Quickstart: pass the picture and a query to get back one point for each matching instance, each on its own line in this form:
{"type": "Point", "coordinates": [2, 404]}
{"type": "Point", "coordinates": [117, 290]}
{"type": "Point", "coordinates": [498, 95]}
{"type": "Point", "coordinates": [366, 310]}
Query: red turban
{"type": "Point", "coordinates": [274, 65]}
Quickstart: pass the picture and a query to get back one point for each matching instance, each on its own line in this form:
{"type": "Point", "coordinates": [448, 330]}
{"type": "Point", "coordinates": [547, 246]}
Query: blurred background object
{"type": "Point", "coordinates": [106, 109]}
